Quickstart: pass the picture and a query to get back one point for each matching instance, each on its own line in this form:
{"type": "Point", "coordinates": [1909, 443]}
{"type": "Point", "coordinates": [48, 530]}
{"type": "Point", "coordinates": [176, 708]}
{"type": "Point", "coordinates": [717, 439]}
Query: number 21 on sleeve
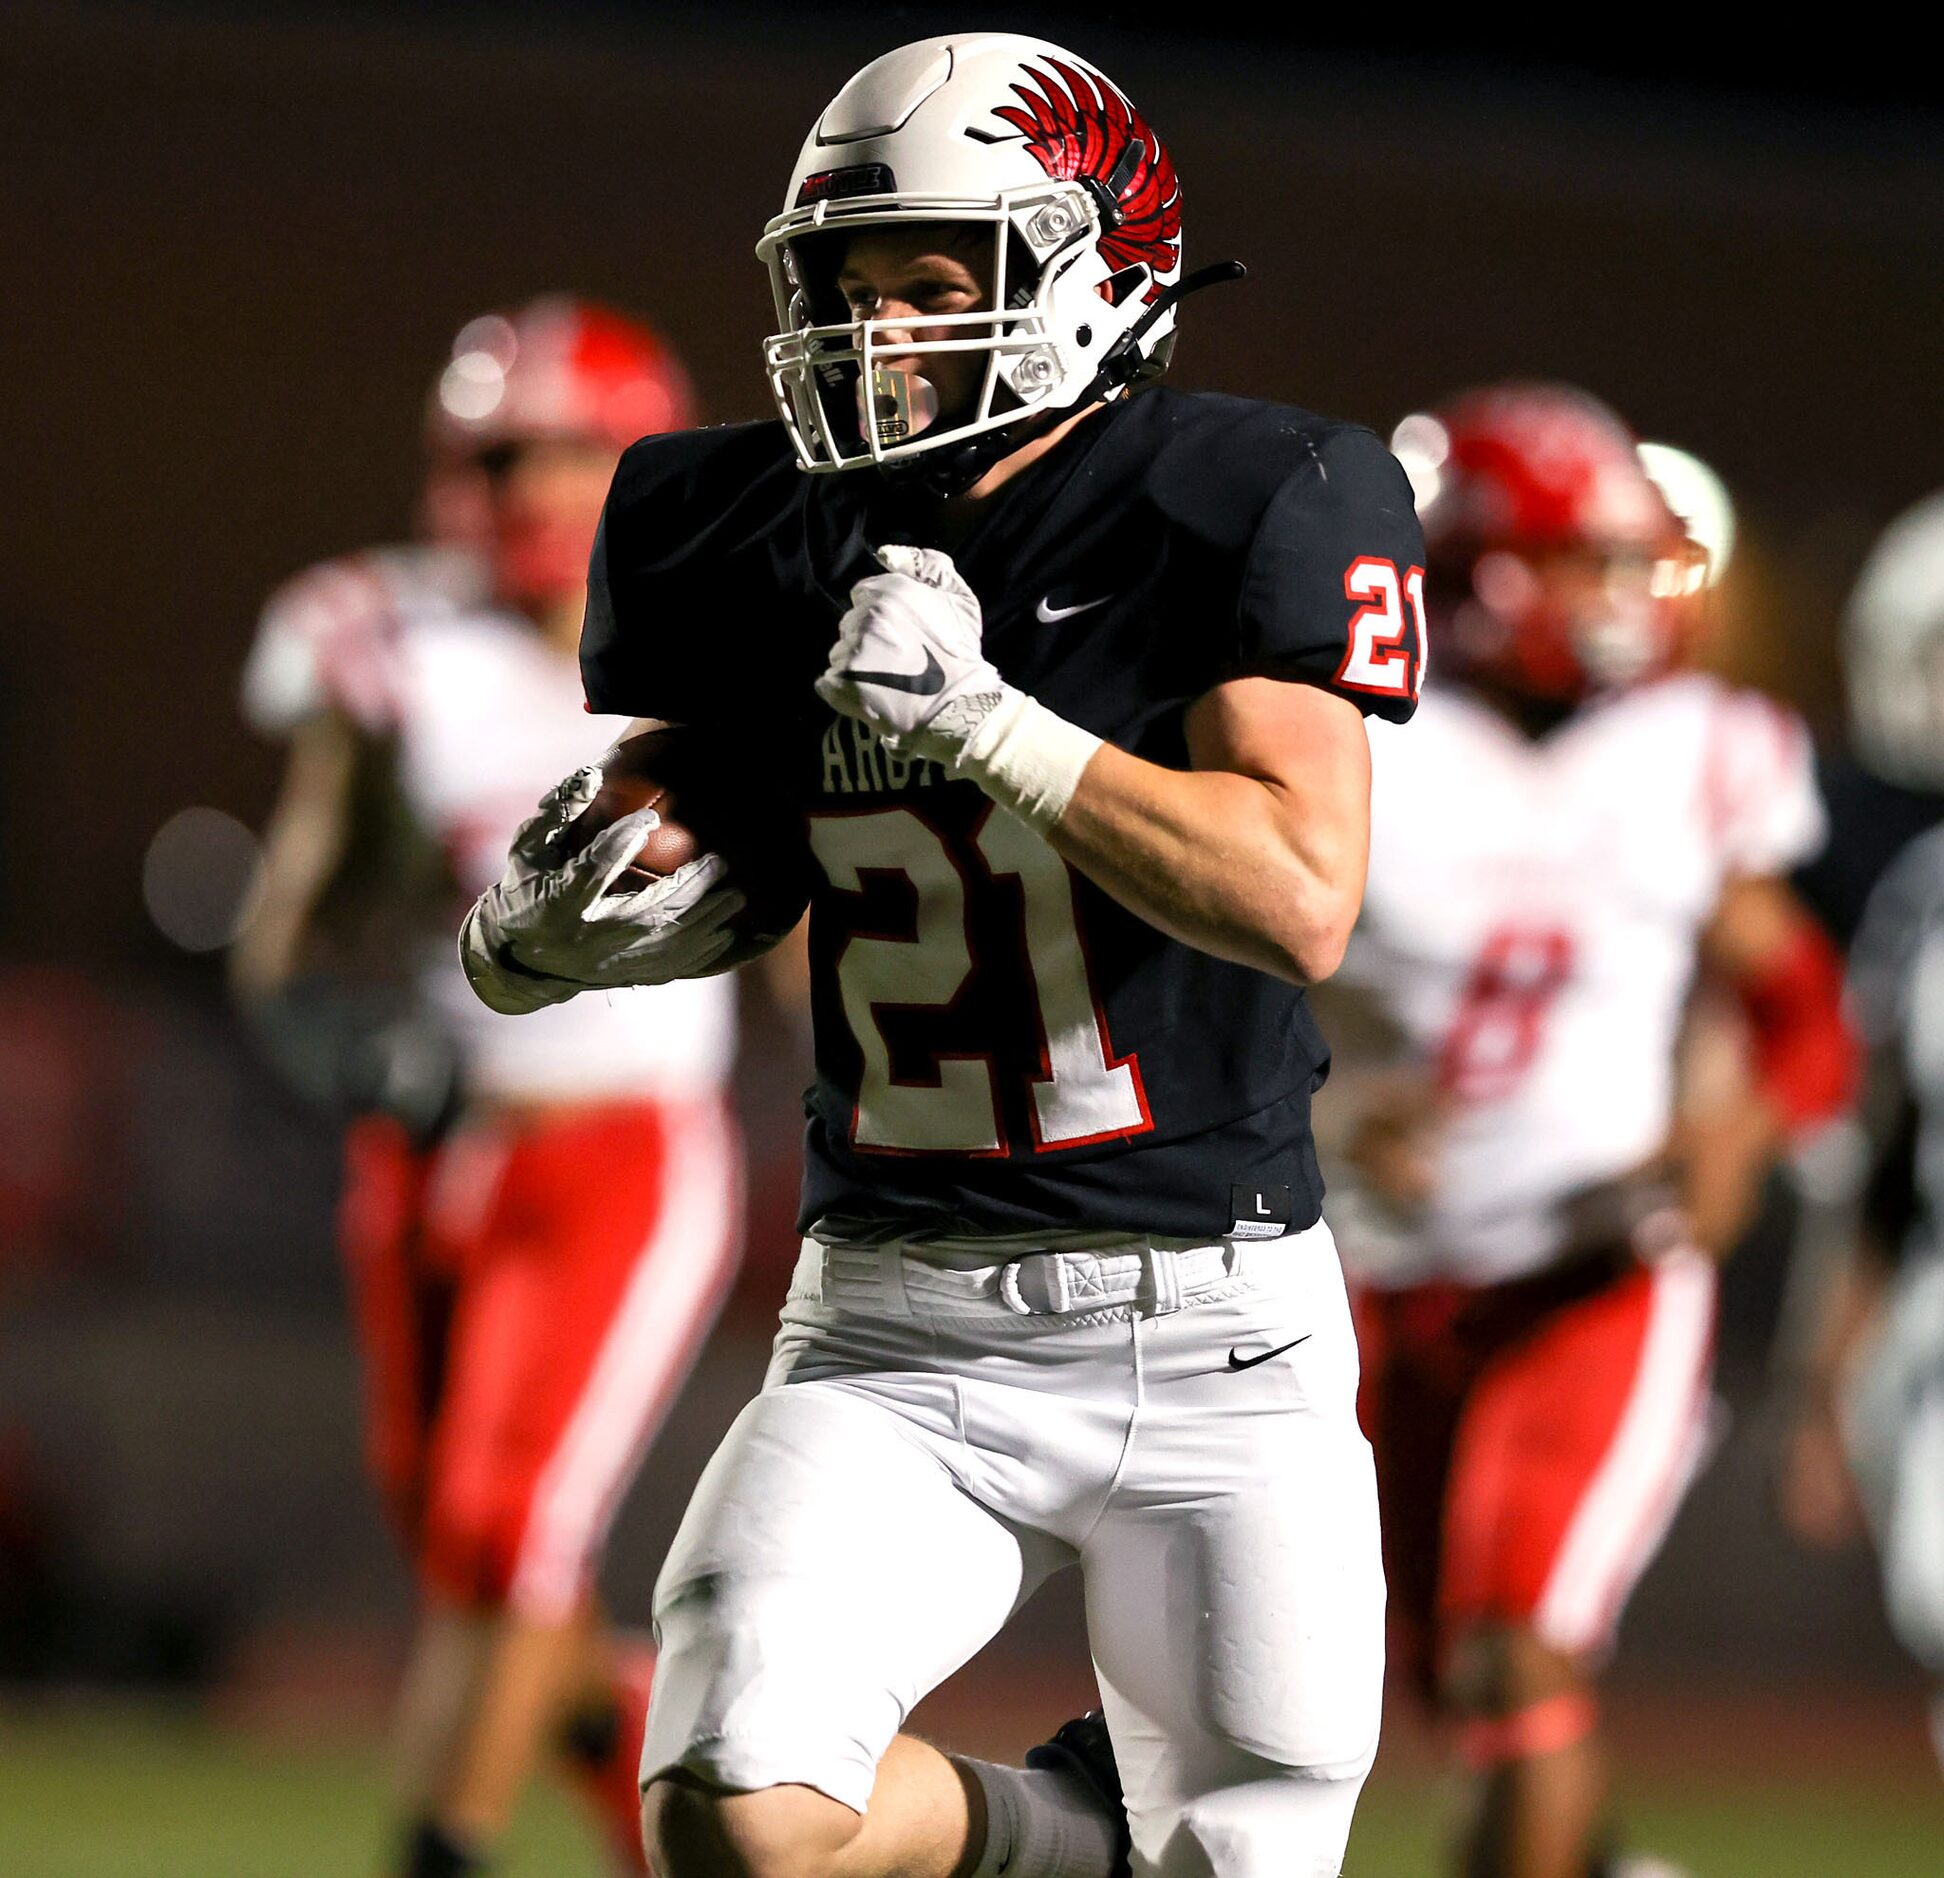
{"type": "Point", "coordinates": [1376, 657]}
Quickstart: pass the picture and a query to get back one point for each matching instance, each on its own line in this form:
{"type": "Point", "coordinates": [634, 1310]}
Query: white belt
{"type": "Point", "coordinates": [900, 1280]}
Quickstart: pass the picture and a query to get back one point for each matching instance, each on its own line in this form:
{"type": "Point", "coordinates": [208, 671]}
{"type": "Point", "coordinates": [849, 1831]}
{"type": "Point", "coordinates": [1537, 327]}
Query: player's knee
{"type": "Point", "coordinates": [1498, 1668]}
{"type": "Point", "coordinates": [693, 1830]}
{"type": "Point", "coordinates": [1516, 1697]}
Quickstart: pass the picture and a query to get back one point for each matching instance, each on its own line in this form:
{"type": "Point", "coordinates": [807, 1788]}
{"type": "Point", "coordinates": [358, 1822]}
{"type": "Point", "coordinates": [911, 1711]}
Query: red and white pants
{"type": "Point", "coordinates": [530, 1296]}
{"type": "Point", "coordinates": [1533, 1441]}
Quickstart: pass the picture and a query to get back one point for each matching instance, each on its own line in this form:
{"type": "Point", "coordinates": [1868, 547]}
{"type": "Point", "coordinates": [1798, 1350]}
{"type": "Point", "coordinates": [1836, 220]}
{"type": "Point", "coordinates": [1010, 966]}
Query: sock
{"type": "Point", "coordinates": [433, 1853]}
{"type": "Point", "coordinates": [602, 1746]}
{"type": "Point", "coordinates": [1042, 1824]}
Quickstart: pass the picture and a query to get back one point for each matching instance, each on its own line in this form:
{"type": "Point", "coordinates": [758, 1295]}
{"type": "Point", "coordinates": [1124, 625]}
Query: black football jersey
{"type": "Point", "coordinates": [1000, 1046]}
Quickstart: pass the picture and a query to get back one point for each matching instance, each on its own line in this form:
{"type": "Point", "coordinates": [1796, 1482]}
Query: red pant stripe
{"type": "Point", "coordinates": [1630, 1501]}
{"type": "Point", "coordinates": [678, 1285]}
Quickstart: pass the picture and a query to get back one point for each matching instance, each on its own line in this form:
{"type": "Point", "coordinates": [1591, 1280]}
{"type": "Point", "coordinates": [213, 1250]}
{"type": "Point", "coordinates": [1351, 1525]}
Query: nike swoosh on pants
{"type": "Point", "coordinates": [1238, 1361]}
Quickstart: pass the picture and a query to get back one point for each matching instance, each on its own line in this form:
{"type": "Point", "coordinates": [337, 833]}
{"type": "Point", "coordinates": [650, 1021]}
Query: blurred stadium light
{"type": "Point", "coordinates": [197, 878]}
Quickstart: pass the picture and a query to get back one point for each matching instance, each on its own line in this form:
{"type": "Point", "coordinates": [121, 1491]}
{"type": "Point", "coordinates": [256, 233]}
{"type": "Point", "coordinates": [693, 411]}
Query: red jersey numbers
{"type": "Point", "coordinates": [1384, 653]}
{"type": "Point", "coordinates": [1079, 1091]}
{"type": "Point", "coordinates": [1502, 1010]}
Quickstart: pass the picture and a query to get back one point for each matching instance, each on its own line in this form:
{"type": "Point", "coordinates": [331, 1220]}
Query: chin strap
{"type": "Point", "coordinates": [1124, 364]}
{"type": "Point", "coordinates": [953, 470]}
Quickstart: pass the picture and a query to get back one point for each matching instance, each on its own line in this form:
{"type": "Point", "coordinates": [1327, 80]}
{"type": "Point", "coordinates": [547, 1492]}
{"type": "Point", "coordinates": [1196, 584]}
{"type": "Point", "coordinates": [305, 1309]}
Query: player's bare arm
{"type": "Point", "coordinates": [304, 848]}
{"type": "Point", "coordinates": [1258, 853]}
{"type": "Point", "coordinates": [1766, 945]}
{"type": "Point", "coordinates": [1762, 947]}
{"type": "Point", "coordinates": [345, 871]}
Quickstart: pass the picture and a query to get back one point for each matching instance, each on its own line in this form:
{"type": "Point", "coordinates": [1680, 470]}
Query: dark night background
{"type": "Point", "coordinates": [234, 244]}
{"type": "Point", "coordinates": [236, 238]}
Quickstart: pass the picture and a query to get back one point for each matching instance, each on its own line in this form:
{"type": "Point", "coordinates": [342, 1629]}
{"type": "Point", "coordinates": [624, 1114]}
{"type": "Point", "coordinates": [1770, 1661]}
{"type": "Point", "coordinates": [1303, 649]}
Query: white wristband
{"type": "Point", "coordinates": [1027, 758]}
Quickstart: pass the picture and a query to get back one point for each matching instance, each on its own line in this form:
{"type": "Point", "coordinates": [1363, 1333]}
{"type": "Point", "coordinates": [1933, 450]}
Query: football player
{"type": "Point", "coordinates": [1573, 828]}
{"type": "Point", "coordinates": [540, 1219]}
{"type": "Point", "coordinates": [1866, 1358]}
{"type": "Point", "coordinates": [1069, 671]}
{"type": "Point", "coordinates": [1887, 787]}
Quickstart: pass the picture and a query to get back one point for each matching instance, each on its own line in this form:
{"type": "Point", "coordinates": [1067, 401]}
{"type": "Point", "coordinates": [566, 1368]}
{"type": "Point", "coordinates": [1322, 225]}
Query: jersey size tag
{"type": "Point", "coordinates": [1261, 1212]}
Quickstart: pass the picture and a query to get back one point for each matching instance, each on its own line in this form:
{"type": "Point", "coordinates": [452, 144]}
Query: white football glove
{"type": "Point", "coordinates": [550, 929]}
{"type": "Point", "coordinates": [908, 658]}
{"type": "Point", "coordinates": [909, 661]}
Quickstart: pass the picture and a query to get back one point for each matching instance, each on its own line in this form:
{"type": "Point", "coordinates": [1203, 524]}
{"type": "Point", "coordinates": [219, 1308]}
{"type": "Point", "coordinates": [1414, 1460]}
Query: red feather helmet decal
{"type": "Point", "coordinates": [1082, 126]}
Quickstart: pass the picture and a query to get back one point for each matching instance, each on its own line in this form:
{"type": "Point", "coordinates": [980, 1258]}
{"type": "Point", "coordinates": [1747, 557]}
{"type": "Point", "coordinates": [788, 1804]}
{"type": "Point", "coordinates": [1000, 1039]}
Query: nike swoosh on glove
{"type": "Point", "coordinates": [909, 659]}
{"type": "Point", "coordinates": [550, 929]}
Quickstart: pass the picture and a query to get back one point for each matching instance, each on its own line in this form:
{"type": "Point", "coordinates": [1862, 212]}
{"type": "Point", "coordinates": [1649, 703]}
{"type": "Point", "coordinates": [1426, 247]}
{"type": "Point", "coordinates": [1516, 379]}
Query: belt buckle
{"type": "Point", "coordinates": [1036, 1285]}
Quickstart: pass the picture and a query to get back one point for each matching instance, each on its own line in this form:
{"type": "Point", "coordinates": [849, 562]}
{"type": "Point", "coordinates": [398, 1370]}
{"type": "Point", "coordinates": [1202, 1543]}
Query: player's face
{"type": "Point", "coordinates": [456, 507]}
{"type": "Point", "coordinates": [906, 278]}
{"type": "Point", "coordinates": [544, 503]}
{"type": "Point", "coordinates": [1610, 604]}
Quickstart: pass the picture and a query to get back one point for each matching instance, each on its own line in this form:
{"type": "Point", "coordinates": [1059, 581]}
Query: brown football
{"type": "Point", "coordinates": [708, 805]}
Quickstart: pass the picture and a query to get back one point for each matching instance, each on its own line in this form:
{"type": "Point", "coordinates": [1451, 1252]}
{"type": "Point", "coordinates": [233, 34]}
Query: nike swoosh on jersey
{"type": "Point", "coordinates": [1047, 612]}
{"type": "Point", "coordinates": [924, 683]}
{"type": "Point", "coordinates": [1249, 1362]}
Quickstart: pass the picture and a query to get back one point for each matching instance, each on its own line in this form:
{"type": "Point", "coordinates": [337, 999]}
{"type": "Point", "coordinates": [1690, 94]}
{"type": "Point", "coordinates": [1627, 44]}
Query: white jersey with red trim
{"type": "Point", "coordinates": [487, 718]}
{"type": "Point", "coordinates": [1530, 926]}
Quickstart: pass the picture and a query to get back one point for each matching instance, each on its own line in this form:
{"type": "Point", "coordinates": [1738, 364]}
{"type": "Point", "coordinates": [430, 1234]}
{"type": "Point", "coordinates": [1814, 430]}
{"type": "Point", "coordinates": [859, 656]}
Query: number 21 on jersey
{"type": "Point", "coordinates": [1376, 657]}
{"type": "Point", "coordinates": [1079, 1092]}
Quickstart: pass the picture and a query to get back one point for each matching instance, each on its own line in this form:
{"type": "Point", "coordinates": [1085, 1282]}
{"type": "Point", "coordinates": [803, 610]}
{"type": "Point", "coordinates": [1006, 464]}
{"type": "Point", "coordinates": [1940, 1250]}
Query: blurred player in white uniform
{"type": "Point", "coordinates": [540, 1218]}
{"type": "Point", "coordinates": [1572, 827]}
{"type": "Point", "coordinates": [1866, 1432]}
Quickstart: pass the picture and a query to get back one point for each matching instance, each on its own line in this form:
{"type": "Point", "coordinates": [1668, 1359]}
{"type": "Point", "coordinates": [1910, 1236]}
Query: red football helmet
{"type": "Point", "coordinates": [1554, 565]}
{"type": "Point", "coordinates": [557, 370]}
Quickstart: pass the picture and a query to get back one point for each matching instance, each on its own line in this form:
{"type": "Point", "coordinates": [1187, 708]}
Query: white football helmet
{"type": "Point", "coordinates": [1893, 650]}
{"type": "Point", "coordinates": [980, 128]}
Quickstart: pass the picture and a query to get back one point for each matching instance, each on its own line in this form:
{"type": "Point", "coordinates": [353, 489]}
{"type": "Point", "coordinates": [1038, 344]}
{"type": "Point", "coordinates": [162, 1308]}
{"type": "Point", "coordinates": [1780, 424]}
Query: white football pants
{"type": "Point", "coordinates": [936, 1435]}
